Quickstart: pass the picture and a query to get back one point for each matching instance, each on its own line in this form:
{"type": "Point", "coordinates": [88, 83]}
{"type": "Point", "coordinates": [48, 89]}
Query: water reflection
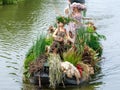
{"type": "Point", "coordinates": [92, 85]}
{"type": "Point", "coordinates": [31, 87]}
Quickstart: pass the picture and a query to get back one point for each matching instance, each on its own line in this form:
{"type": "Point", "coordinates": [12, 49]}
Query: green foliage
{"type": "Point", "coordinates": [34, 52]}
{"type": "Point", "coordinates": [49, 40]}
{"type": "Point", "coordinates": [81, 39]}
{"type": "Point", "coordinates": [94, 42]}
{"type": "Point", "coordinates": [72, 57]}
{"type": "Point", "coordinates": [64, 20]}
{"type": "Point", "coordinates": [28, 59]}
{"type": "Point", "coordinates": [30, 51]}
{"type": "Point", "coordinates": [88, 37]}
{"type": "Point", "coordinates": [39, 46]}
{"type": "Point", "coordinates": [85, 37]}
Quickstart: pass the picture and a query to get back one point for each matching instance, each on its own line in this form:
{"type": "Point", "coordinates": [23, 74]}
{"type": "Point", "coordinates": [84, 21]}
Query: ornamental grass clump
{"type": "Point", "coordinates": [72, 57]}
{"type": "Point", "coordinates": [94, 42]}
{"type": "Point", "coordinates": [89, 37]}
{"type": "Point", "coordinates": [39, 47]}
{"type": "Point", "coordinates": [81, 39]}
{"type": "Point", "coordinates": [95, 38]}
{"type": "Point", "coordinates": [55, 74]}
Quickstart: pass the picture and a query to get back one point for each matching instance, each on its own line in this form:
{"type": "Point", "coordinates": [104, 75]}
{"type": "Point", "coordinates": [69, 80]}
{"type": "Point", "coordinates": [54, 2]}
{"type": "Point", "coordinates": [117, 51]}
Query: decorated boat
{"type": "Point", "coordinates": [62, 57]}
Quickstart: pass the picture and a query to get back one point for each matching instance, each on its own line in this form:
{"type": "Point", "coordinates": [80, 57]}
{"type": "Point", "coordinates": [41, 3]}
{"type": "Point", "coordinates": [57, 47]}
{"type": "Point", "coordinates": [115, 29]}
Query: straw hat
{"type": "Point", "coordinates": [78, 5]}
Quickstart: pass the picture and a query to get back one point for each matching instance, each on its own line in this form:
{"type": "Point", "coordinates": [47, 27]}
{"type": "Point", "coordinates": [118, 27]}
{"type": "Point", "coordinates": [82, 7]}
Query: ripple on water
{"type": "Point", "coordinates": [20, 27]}
{"type": "Point", "coordinates": [5, 56]}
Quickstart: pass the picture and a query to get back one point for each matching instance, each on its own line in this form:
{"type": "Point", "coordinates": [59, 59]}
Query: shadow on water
{"type": "Point", "coordinates": [86, 87]}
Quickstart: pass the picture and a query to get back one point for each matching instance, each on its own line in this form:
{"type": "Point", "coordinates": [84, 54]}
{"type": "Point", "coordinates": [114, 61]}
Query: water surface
{"type": "Point", "coordinates": [21, 24]}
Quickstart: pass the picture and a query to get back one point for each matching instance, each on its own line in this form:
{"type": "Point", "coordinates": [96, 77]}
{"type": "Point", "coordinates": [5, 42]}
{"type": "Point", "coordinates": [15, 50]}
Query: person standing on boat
{"type": "Point", "coordinates": [78, 1]}
{"type": "Point", "coordinates": [76, 15]}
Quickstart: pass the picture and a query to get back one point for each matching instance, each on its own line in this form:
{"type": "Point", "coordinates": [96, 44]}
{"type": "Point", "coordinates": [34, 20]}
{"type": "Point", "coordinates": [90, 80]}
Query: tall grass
{"type": "Point", "coordinates": [84, 36]}
{"type": "Point", "coordinates": [94, 41]}
{"type": "Point", "coordinates": [35, 51]}
{"type": "Point", "coordinates": [49, 40]}
{"type": "Point", "coordinates": [88, 37]}
{"type": "Point", "coordinates": [39, 46]}
{"type": "Point", "coordinates": [81, 39]}
{"type": "Point", "coordinates": [55, 73]}
{"type": "Point", "coordinates": [72, 57]}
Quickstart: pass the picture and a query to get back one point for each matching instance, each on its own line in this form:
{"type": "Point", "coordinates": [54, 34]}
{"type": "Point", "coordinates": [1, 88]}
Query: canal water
{"type": "Point", "coordinates": [20, 25]}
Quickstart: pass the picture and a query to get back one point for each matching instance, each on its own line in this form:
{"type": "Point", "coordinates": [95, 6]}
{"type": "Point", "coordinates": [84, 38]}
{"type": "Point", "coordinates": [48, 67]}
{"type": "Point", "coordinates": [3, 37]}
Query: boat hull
{"type": "Point", "coordinates": [44, 79]}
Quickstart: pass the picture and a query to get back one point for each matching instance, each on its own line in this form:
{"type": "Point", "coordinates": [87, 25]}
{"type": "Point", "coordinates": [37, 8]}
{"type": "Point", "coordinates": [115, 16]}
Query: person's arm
{"type": "Point", "coordinates": [69, 38]}
{"type": "Point", "coordinates": [67, 11]}
{"type": "Point", "coordinates": [54, 34]}
{"type": "Point", "coordinates": [69, 1]}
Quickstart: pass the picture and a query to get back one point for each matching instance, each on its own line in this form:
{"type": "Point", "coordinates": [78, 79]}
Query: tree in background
{"type": "Point", "coordinates": [7, 2]}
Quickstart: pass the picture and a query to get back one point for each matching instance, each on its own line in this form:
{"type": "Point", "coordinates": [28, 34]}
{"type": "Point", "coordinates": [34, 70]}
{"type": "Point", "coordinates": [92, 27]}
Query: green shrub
{"type": "Point", "coordinates": [94, 42]}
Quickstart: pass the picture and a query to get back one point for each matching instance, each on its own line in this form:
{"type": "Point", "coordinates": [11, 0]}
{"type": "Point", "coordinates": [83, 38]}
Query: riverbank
{"type": "Point", "coordinates": [9, 2]}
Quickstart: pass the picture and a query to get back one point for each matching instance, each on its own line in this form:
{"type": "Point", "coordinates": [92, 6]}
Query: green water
{"type": "Point", "coordinates": [20, 24]}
